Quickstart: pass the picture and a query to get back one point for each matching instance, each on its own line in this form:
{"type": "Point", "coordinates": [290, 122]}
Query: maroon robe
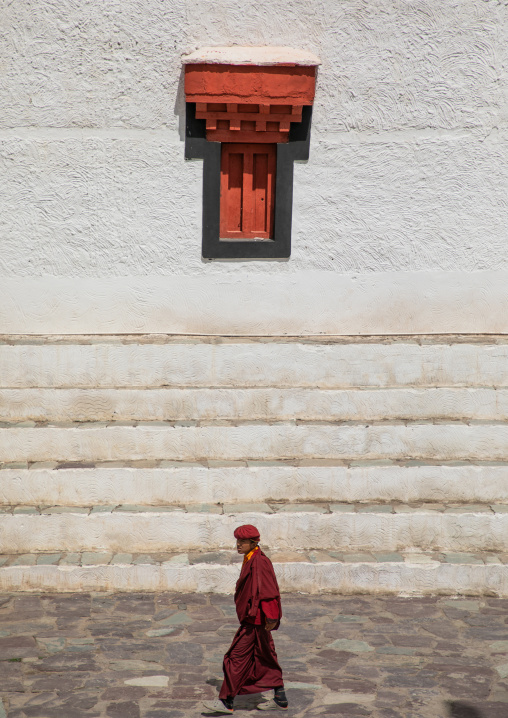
{"type": "Point", "coordinates": [250, 665]}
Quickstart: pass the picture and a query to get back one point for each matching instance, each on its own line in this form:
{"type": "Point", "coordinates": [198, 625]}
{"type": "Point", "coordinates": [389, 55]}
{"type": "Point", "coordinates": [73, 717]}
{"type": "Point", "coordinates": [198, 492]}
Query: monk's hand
{"type": "Point", "coordinates": [270, 625]}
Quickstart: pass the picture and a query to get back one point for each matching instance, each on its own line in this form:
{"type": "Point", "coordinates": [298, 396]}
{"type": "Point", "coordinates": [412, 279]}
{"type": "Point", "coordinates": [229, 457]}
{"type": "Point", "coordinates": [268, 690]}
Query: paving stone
{"type": "Point", "coordinates": [204, 508]}
{"type": "Point", "coordinates": [500, 508]}
{"type": "Point", "coordinates": [25, 510]}
{"type": "Point", "coordinates": [51, 644]}
{"type": "Point", "coordinates": [358, 557]}
{"type": "Point", "coordinates": [463, 604]}
{"type": "Point", "coordinates": [341, 508]}
{"type": "Point", "coordinates": [502, 670]}
{"type": "Point", "coordinates": [344, 644]}
{"type": "Point", "coordinates": [499, 647]}
{"type": "Point", "coordinates": [26, 559]}
{"type": "Point", "coordinates": [463, 680]}
{"type": "Point", "coordinates": [458, 557]}
{"type": "Point", "coordinates": [220, 557]}
{"type": "Point", "coordinates": [135, 603]}
{"type": "Point", "coordinates": [375, 508]}
{"type": "Point", "coordinates": [132, 664]}
{"type": "Point", "coordinates": [309, 508]}
{"type": "Point", "coordinates": [395, 650]}
{"type": "Point", "coordinates": [288, 557]}
{"type": "Point", "coordinates": [105, 509]}
{"type": "Point", "coordinates": [303, 686]}
{"type": "Point", "coordinates": [123, 709]}
{"type": "Point", "coordinates": [160, 632]}
{"type": "Point", "coordinates": [185, 653]}
{"type": "Point", "coordinates": [199, 692]}
{"type": "Point", "coordinates": [321, 557]}
{"type": "Point", "coordinates": [177, 619]}
{"type": "Point", "coordinates": [3, 560]}
{"type": "Point", "coordinates": [122, 558]}
{"type": "Point", "coordinates": [144, 559]}
{"type": "Point", "coordinates": [179, 560]}
{"type": "Point", "coordinates": [140, 508]}
{"type": "Point", "coordinates": [418, 558]}
{"type": "Point", "coordinates": [247, 508]}
{"type": "Point", "coordinates": [349, 685]}
{"type": "Point", "coordinates": [90, 558]}
{"type": "Point", "coordinates": [468, 508]}
{"type": "Point", "coordinates": [204, 613]}
{"type": "Point", "coordinates": [413, 640]}
{"type": "Point", "coordinates": [68, 607]}
{"type": "Point", "coordinates": [71, 559]}
{"type": "Point", "coordinates": [118, 693]}
{"type": "Point", "coordinates": [13, 647]}
{"type": "Point", "coordinates": [388, 557]}
{"type": "Point", "coordinates": [432, 506]}
{"type": "Point", "coordinates": [66, 510]}
{"type": "Point", "coordinates": [155, 681]}
{"type": "Point", "coordinates": [388, 657]}
{"type": "Point", "coordinates": [48, 559]}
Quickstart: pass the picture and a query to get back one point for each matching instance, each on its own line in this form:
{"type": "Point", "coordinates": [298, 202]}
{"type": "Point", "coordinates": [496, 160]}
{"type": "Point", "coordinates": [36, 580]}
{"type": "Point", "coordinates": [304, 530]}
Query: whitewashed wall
{"type": "Point", "coordinates": [407, 178]}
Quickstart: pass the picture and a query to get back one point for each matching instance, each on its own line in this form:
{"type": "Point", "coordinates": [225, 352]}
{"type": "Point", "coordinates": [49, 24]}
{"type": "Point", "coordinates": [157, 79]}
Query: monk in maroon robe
{"type": "Point", "coordinates": [250, 665]}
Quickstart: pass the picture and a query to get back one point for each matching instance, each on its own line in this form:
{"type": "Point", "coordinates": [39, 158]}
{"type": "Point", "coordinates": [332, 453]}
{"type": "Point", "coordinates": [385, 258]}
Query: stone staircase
{"type": "Point", "coordinates": [369, 465]}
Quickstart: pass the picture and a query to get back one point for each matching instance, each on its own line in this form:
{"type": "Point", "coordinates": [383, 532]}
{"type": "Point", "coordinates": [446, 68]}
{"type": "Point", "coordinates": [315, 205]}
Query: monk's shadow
{"type": "Point", "coordinates": [242, 703]}
{"type": "Point", "coordinates": [458, 709]}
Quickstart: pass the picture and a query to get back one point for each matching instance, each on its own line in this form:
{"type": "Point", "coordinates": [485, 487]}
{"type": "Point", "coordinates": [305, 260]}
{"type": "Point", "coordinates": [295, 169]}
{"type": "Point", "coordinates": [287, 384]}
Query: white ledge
{"type": "Point", "coordinates": [296, 304]}
{"type": "Point", "coordinates": [241, 55]}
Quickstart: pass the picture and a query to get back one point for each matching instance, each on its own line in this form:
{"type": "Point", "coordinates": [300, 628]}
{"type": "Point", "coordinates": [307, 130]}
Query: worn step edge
{"type": "Point", "coordinates": [179, 531]}
{"type": "Point", "coordinates": [161, 338]}
{"type": "Point", "coordinates": [257, 442]}
{"type": "Point", "coordinates": [233, 404]}
{"type": "Point", "coordinates": [264, 507]}
{"type": "Point", "coordinates": [231, 557]}
{"type": "Point", "coordinates": [328, 366]}
{"type": "Point", "coordinates": [199, 484]}
{"type": "Point", "coordinates": [359, 578]}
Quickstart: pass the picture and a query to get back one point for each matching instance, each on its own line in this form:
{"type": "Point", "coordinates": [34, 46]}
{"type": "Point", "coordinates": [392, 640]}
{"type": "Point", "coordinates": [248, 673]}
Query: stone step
{"type": "Point", "coordinates": [239, 405]}
{"type": "Point", "coordinates": [258, 442]}
{"type": "Point", "coordinates": [298, 528]}
{"type": "Point", "coordinates": [253, 364]}
{"type": "Point", "coordinates": [409, 574]}
{"type": "Point", "coordinates": [485, 484]}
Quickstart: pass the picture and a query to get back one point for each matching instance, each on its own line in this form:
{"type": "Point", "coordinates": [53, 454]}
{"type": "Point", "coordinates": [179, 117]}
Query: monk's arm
{"type": "Point", "coordinates": [271, 611]}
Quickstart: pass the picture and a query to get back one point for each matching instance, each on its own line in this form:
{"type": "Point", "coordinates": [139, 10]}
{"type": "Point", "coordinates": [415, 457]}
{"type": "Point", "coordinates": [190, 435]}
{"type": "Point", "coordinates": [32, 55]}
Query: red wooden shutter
{"type": "Point", "coordinates": [247, 197]}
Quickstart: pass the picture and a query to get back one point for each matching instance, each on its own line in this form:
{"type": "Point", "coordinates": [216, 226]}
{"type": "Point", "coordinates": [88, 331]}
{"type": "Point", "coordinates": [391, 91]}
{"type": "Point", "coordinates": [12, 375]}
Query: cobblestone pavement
{"type": "Point", "coordinates": [158, 655]}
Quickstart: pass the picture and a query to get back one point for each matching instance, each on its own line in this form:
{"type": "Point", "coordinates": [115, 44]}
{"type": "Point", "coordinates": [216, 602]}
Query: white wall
{"type": "Point", "coordinates": [408, 170]}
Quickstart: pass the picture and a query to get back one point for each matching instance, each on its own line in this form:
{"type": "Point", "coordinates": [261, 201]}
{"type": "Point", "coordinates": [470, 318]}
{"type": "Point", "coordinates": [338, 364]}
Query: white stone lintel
{"type": "Point", "coordinates": [256, 55]}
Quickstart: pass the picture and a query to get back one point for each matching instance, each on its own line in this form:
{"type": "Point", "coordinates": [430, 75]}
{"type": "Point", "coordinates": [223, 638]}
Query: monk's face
{"type": "Point", "coordinates": [245, 546]}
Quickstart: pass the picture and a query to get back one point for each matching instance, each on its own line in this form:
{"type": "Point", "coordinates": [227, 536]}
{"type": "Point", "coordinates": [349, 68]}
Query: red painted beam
{"type": "Point", "coordinates": [289, 85]}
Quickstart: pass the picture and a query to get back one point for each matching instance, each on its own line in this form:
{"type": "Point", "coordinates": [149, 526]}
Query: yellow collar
{"type": "Point", "coordinates": [248, 556]}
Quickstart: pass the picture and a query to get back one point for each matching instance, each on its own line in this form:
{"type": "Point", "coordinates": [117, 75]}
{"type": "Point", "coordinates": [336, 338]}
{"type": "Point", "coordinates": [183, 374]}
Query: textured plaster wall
{"type": "Point", "coordinates": [409, 154]}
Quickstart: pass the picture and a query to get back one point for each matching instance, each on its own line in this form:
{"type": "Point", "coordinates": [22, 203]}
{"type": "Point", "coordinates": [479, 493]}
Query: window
{"type": "Point", "coordinates": [248, 118]}
{"type": "Point", "coordinates": [247, 196]}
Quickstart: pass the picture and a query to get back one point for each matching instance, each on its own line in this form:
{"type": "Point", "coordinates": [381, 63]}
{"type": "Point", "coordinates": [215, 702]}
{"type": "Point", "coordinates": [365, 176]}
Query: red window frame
{"type": "Point", "coordinates": [247, 197]}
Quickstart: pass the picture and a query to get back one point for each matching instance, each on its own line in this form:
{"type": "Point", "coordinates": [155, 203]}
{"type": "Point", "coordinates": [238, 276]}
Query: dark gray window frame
{"type": "Point", "coordinates": [295, 150]}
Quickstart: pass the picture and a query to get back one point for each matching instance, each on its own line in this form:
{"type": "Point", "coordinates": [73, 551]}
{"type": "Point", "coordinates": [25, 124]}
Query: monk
{"type": "Point", "coordinates": [250, 665]}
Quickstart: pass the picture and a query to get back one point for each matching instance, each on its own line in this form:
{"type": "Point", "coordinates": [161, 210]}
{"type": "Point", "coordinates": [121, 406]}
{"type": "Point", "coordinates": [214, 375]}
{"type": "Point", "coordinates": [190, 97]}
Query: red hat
{"type": "Point", "coordinates": [247, 531]}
